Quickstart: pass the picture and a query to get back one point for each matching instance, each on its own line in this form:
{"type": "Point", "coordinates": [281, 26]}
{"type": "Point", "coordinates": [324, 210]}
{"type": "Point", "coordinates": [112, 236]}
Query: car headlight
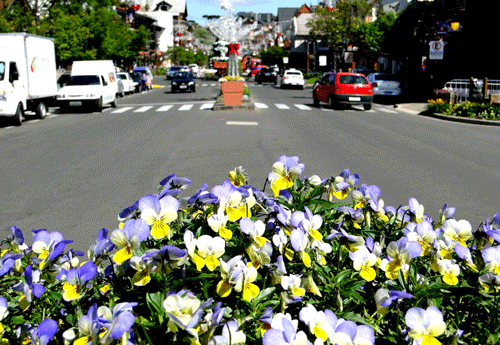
{"type": "Point", "coordinates": [174, 83]}
{"type": "Point", "coordinates": [191, 83]}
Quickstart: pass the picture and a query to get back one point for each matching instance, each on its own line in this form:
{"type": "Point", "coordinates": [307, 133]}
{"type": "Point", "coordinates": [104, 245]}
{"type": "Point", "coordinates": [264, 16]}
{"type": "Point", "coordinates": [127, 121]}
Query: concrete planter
{"type": "Point", "coordinates": [232, 92]}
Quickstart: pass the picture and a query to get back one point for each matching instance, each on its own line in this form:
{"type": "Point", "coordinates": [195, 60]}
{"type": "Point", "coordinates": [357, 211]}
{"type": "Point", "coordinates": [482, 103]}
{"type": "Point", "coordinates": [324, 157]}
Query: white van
{"type": "Point", "coordinates": [27, 75]}
{"type": "Point", "coordinates": [91, 83]}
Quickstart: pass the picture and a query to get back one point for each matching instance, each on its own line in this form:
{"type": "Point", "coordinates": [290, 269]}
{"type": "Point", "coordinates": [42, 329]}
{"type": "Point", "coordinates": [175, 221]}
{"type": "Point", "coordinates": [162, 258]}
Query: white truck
{"type": "Point", "coordinates": [28, 78]}
{"type": "Point", "coordinates": [92, 82]}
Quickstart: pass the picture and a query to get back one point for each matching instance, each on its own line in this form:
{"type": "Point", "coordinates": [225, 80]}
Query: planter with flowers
{"type": "Point", "coordinates": [232, 90]}
{"type": "Point", "coordinates": [306, 260]}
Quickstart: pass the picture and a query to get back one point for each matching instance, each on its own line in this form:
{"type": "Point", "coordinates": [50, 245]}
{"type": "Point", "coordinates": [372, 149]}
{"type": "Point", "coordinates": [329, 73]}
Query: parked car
{"type": "Point", "coordinates": [125, 83]}
{"type": "Point", "coordinates": [194, 68]}
{"type": "Point", "coordinates": [344, 88]}
{"type": "Point", "coordinates": [266, 74]}
{"type": "Point", "coordinates": [183, 81]}
{"type": "Point", "coordinates": [149, 75]}
{"type": "Point", "coordinates": [293, 77]}
{"type": "Point", "coordinates": [175, 69]}
{"type": "Point", "coordinates": [62, 80]}
{"type": "Point", "coordinates": [385, 85]}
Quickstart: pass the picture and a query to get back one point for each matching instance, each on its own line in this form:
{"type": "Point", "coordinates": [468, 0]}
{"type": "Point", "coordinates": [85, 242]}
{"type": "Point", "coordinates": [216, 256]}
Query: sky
{"type": "Point", "coordinates": [197, 8]}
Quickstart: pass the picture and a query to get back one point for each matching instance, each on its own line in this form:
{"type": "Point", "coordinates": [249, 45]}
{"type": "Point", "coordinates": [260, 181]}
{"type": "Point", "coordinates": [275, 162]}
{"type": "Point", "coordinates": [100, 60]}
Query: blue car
{"type": "Point", "coordinates": [183, 81]}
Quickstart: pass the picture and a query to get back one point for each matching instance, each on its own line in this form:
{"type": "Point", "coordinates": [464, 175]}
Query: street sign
{"type": "Point", "coordinates": [285, 60]}
{"type": "Point", "coordinates": [322, 60]}
{"type": "Point", "coordinates": [436, 50]}
{"type": "Point", "coordinates": [348, 57]}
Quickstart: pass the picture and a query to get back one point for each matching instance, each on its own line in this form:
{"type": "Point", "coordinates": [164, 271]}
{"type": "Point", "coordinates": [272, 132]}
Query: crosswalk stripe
{"type": "Point", "coordinates": [143, 109]}
{"type": "Point", "coordinates": [302, 107]}
{"type": "Point", "coordinates": [204, 84]}
{"type": "Point", "coordinates": [121, 110]}
{"type": "Point", "coordinates": [261, 105]}
{"type": "Point", "coordinates": [282, 106]}
{"type": "Point", "coordinates": [185, 107]}
{"type": "Point", "coordinates": [387, 110]}
{"type": "Point", "coordinates": [207, 106]}
{"type": "Point", "coordinates": [164, 107]}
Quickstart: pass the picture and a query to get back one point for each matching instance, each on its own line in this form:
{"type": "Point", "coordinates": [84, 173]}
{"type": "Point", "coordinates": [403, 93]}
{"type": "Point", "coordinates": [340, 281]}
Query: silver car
{"type": "Point", "coordinates": [385, 84]}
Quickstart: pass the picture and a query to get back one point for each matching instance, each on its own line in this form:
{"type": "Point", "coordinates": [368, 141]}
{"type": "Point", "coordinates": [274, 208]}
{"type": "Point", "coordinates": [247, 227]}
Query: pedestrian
{"type": "Point", "coordinates": [144, 82]}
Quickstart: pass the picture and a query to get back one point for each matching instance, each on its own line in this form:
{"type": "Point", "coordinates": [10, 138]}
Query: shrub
{"type": "Point", "coordinates": [318, 260]}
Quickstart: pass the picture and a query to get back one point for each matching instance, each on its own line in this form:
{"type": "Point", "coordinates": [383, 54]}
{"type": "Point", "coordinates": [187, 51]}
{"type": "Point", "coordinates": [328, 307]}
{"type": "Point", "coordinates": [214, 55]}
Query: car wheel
{"type": "Point", "coordinates": [193, 89]}
{"type": "Point", "coordinates": [173, 90]}
{"type": "Point", "coordinates": [331, 102]}
{"type": "Point", "coordinates": [99, 105]}
{"type": "Point", "coordinates": [367, 106]}
{"type": "Point", "coordinates": [41, 110]}
{"type": "Point", "coordinates": [18, 116]}
{"type": "Point", "coordinates": [315, 100]}
{"type": "Point", "coordinates": [114, 104]}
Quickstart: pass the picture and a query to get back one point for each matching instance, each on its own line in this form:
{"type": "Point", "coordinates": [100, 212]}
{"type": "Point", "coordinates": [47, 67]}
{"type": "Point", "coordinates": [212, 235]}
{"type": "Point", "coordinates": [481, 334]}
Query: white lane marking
{"type": "Point", "coordinates": [204, 84]}
{"type": "Point", "coordinates": [213, 84]}
{"type": "Point", "coordinates": [326, 109]}
{"type": "Point", "coordinates": [261, 105]}
{"type": "Point", "coordinates": [121, 110]}
{"type": "Point", "coordinates": [143, 109]}
{"type": "Point", "coordinates": [282, 106]}
{"type": "Point", "coordinates": [185, 107]}
{"type": "Point", "coordinates": [242, 123]}
{"type": "Point", "coordinates": [207, 106]}
{"type": "Point", "coordinates": [164, 107]}
{"type": "Point", "coordinates": [302, 107]}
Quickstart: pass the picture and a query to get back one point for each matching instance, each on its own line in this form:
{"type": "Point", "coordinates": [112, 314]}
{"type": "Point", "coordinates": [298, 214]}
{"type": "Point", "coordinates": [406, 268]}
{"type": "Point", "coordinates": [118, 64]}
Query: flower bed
{"type": "Point", "coordinates": [318, 260]}
{"type": "Point", "coordinates": [465, 109]}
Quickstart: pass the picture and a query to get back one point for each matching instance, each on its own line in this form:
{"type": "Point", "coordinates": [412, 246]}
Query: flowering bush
{"type": "Point", "coordinates": [227, 78]}
{"type": "Point", "coordinates": [319, 260]}
{"type": "Point", "coordinates": [465, 109]}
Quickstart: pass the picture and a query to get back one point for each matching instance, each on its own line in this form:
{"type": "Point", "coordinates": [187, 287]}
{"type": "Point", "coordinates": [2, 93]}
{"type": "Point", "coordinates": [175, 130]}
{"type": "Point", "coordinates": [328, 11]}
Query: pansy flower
{"type": "Point", "coordinates": [459, 231]}
{"type": "Point", "coordinates": [363, 262]}
{"type": "Point", "coordinates": [48, 245]}
{"type": "Point", "coordinates": [144, 268]}
{"type": "Point", "coordinates": [284, 332]}
{"type": "Point", "coordinates": [183, 309]}
{"type": "Point", "coordinates": [400, 253]}
{"type": "Point", "coordinates": [231, 200]}
{"type": "Point", "coordinates": [491, 258]}
{"type": "Point", "coordinates": [347, 332]}
{"type": "Point", "coordinates": [490, 282]}
{"type": "Point", "coordinates": [238, 177]}
{"type": "Point", "coordinates": [230, 335]}
{"type": "Point", "coordinates": [29, 287]}
{"type": "Point", "coordinates": [292, 283]}
{"type": "Point", "coordinates": [320, 323]}
{"type": "Point", "coordinates": [88, 328]}
{"type": "Point", "coordinates": [168, 258]}
{"type": "Point", "coordinates": [259, 256]}
{"type": "Point", "coordinates": [209, 250]}
{"type": "Point", "coordinates": [44, 332]}
{"type": "Point", "coordinates": [128, 239]}
{"type": "Point", "coordinates": [117, 323]}
{"type": "Point", "coordinates": [422, 233]}
{"type": "Point", "coordinates": [300, 243]}
{"type": "Point", "coordinates": [159, 213]}
{"type": "Point", "coordinates": [284, 172]}
{"type": "Point", "coordinates": [231, 275]}
{"type": "Point", "coordinates": [76, 280]}
{"type": "Point", "coordinates": [425, 325]}
{"type": "Point", "coordinates": [309, 222]}
{"type": "Point", "coordinates": [255, 230]}
{"type": "Point", "coordinates": [244, 279]}
{"type": "Point", "coordinates": [385, 298]}
{"type": "Point", "coordinates": [280, 240]}
{"type": "Point", "coordinates": [342, 185]}
{"type": "Point", "coordinates": [449, 270]}
{"type": "Point", "coordinates": [217, 223]}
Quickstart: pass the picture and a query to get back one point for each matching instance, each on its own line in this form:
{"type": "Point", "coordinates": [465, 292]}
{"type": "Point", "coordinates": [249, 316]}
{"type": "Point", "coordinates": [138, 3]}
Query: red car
{"type": "Point", "coordinates": [343, 88]}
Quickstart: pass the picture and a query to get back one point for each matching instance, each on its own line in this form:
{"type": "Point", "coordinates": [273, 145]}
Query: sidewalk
{"type": "Point", "coordinates": [412, 108]}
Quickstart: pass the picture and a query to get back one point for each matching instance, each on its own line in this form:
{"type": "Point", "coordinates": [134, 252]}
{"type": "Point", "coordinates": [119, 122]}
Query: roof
{"type": "Point", "coordinates": [286, 13]}
{"type": "Point", "coordinates": [178, 6]}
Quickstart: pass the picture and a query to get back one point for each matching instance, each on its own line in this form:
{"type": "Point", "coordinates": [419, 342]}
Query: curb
{"type": "Point", "coordinates": [218, 106]}
{"type": "Point", "coordinates": [460, 119]}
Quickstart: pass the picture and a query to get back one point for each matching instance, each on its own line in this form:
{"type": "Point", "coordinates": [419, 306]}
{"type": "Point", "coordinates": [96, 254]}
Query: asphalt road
{"type": "Point", "coordinates": [74, 172]}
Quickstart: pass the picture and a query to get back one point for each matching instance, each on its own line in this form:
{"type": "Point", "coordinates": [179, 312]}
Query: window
{"type": "Point", "coordinates": [13, 73]}
{"type": "Point", "coordinates": [78, 80]}
{"type": "Point", "coordinates": [331, 79]}
{"type": "Point", "coordinates": [2, 70]}
{"type": "Point", "coordinates": [352, 80]}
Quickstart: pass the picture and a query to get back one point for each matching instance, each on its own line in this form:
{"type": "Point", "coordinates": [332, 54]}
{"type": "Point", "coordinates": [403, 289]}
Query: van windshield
{"type": "Point", "coordinates": [2, 70]}
{"type": "Point", "coordinates": [78, 80]}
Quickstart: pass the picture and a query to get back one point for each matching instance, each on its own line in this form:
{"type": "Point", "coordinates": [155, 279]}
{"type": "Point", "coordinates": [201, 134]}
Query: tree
{"type": "Point", "coordinates": [204, 35]}
{"type": "Point", "coordinates": [273, 55]}
{"type": "Point", "coordinates": [337, 28]}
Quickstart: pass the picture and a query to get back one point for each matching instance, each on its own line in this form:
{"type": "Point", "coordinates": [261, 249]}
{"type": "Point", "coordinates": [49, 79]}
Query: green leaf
{"type": "Point", "coordinates": [155, 301]}
{"type": "Point", "coordinates": [18, 319]}
{"type": "Point", "coordinates": [263, 295]}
